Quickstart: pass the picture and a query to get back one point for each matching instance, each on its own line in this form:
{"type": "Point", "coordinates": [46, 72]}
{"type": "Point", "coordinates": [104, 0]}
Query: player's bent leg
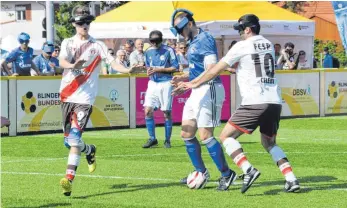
{"type": "Point", "coordinates": [280, 158]}
{"type": "Point", "coordinates": [150, 124]}
{"type": "Point", "coordinates": [168, 128]}
{"type": "Point", "coordinates": [216, 152]}
{"type": "Point", "coordinates": [234, 150]}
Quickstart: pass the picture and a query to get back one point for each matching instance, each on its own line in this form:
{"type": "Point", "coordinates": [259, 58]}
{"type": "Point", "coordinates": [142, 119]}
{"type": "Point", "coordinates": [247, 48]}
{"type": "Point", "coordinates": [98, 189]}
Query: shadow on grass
{"type": "Point", "coordinates": [48, 205]}
{"type": "Point", "coordinates": [308, 184]}
{"type": "Point", "coordinates": [126, 188]}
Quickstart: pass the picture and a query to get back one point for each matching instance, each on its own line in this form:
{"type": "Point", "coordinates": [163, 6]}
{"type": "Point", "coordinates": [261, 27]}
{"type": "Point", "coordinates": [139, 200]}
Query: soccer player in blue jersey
{"type": "Point", "coordinates": [202, 111]}
{"type": "Point", "coordinates": [21, 58]}
{"type": "Point", "coordinates": [47, 64]}
{"type": "Point", "coordinates": [160, 62]}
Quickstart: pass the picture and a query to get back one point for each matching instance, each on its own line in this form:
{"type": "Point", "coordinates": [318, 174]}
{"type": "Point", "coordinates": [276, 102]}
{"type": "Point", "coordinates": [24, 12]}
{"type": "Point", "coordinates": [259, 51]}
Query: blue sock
{"type": "Point", "coordinates": [168, 129]}
{"type": "Point", "coordinates": [150, 127]}
{"type": "Point", "coordinates": [194, 151]}
{"type": "Point", "coordinates": [216, 152]}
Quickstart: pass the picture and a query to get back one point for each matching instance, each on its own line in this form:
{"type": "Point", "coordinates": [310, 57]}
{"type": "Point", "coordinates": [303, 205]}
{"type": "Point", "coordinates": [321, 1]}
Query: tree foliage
{"type": "Point", "coordinates": [293, 6]}
{"type": "Point", "coordinates": [62, 25]}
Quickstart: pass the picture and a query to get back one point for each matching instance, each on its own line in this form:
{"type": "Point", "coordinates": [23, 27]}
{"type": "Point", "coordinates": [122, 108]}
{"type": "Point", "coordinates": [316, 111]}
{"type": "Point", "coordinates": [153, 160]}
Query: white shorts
{"type": "Point", "coordinates": [158, 95]}
{"type": "Point", "coordinates": [205, 105]}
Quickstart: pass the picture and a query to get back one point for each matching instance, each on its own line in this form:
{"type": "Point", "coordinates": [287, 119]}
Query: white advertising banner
{"type": "Point", "coordinates": [300, 93]}
{"type": "Point", "coordinates": [38, 104]}
{"type": "Point", "coordinates": [4, 102]}
{"type": "Point", "coordinates": [336, 92]}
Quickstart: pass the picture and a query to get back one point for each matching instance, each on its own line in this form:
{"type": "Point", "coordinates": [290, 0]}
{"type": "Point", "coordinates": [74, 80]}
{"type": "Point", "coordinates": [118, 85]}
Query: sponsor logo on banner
{"type": "Point", "coordinates": [114, 95]}
{"type": "Point", "coordinates": [336, 96]}
{"type": "Point", "coordinates": [303, 27]}
{"type": "Point", "coordinates": [226, 27]}
{"type": "Point", "coordinates": [286, 27]}
{"type": "Point", "coordinates": [302, 92]}
{"type": "Point", "coordinates": [266, 25]}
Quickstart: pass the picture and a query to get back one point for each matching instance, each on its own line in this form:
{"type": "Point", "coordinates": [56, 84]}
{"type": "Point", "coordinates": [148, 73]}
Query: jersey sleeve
{"type": "Point", "coordinates": [36, 61]}
{"type": "Point", "coordinates": [64, 50]}
{"type": "Point", "coordinates": [147, 59]}
{"type": "Point", "coordinates": [209, 50]}
{"type": "Point", "coordinates": [173, 59]}
{"type": "Point", "coordinates": [234, 54]}
{"type": "Point", "coordinates": [12, 56]}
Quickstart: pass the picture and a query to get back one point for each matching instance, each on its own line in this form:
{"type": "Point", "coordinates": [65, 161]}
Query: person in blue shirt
{"type": "Point", "coordinates": [46, 63]}
{"type": "Point", "coordinates": [161, 62]}
{"type": "Point", "coordinates": [202, 110]}
{"type": "Point", "coordinates": [328, 59]}
{"type": "Point", "coordinates": [21, 58]}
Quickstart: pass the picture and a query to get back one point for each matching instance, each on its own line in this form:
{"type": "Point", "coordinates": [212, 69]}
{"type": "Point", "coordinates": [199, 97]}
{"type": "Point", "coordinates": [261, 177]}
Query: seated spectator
{"type": "Point", "coordinates": [121, 59]}
{"type": "Point", "coordinates": [328, 59]}
{"type": "Point", "coordinates": [182, 57]}
{"type": "Point", "coordinates": [302, 62]}
{"type": "Point", "coordinates": [21, 58]}
{"type": "Point", "coordinates": [232, 44]}
{"type": "Point", "coordinates": [46, 63]}
{"type": "Point", "coordinates": [128, 48]}
{"type": "Point", "coordinates": [137, 57]}
{"type": "Point", "coordinates": [288, 58]}
{"type": "Point", "coordinates": [56, 52]}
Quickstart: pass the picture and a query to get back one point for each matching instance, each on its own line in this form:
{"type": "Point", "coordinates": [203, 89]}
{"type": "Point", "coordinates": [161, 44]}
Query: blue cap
{"type": "Point", "coordinates": [23, 36]}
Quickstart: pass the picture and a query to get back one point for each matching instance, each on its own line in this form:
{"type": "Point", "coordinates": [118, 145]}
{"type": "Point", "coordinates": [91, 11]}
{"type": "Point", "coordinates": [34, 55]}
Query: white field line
{"type": "Point", "coordinates": [153, 155]}
{"type": "Point", "coordinates": [143, 179]}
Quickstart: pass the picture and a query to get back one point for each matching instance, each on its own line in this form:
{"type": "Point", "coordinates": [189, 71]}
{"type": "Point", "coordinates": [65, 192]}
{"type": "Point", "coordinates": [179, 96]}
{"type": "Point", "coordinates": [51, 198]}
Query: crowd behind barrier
{"type": "Point", "coordinates": [33, 108]}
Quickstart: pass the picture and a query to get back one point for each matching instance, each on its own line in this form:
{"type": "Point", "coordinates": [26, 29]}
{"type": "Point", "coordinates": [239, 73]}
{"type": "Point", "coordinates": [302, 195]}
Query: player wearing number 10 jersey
{"type": "Point", "coordinates": [261, 100]}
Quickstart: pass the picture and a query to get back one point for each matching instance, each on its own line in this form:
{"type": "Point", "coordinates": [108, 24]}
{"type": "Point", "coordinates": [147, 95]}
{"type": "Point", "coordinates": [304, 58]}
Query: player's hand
{"type": "Point", "coordinates": [181, 88]}
{"type": "Point", "coordinates": [15, 74]}
{"type": "Point", "coordinates": [150, 71]}
{"type": "Point", "coordinates": [79, 64]}
{"type": "Point", "coordinates": [176, 79]}
{"type": "Point", "coordinates": [283, 52]}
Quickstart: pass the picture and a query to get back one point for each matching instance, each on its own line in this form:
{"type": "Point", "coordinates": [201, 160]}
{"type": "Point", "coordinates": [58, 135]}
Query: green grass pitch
{"type": "Point", "coordinates": [129, 176]}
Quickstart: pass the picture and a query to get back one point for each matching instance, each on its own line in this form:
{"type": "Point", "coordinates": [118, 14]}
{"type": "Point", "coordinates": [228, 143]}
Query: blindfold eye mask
{"type": "Point", "coordinates": [156, 40]}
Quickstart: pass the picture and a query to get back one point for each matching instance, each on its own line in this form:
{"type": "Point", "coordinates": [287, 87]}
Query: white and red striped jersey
{"type": "Point", "coordinates": [80, 85]}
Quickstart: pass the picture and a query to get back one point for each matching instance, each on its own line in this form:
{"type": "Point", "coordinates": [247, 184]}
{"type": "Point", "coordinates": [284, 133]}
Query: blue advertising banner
{"type": "Point", "coordinates": [340, 9]}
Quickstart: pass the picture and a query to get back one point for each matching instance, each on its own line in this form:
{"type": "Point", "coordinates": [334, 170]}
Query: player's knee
{"type": "Point", "coordinates": [185, 134]}
{"type": "Point", "coordinates": [74, 139]}
{"type": "Point", "coordinates": [205, 133]}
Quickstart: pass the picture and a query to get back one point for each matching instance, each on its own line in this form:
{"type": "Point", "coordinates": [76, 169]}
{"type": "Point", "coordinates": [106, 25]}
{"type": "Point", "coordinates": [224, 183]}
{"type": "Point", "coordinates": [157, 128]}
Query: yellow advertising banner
{"type": "Point", "coordinates": [336, 92]}
{"type": "Point", "coordinates": [300, 93]}
{"type": "Point", "coordinates": [39, 105]}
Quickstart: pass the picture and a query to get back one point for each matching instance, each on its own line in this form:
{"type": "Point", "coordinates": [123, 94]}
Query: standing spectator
{"type": "Point", "coordinates": [21, 58]}
{"type": "Point", "coordinates": [3, 56]}
{"type": "Point", "coordinates": [128, 48]}
{"type": "Point", "coordinates": [106, 67]}
{"type": "Point", "coordinates": [302, 62]}
{"type": "Point", "coordinates": [137, 57]}
{"type": "Point", "coordinates": [5, 122]}
{"type": "Point", "coordinates": [182, 57]}
{"type": "Point", "coordinates": [46, 63]}
{"type": "Point", "coordinates": [121, 56]}
{"type": "Point", "coordinates": [328, 59]}
{"type": "Point", "coordinates": [277, 47]}
{"type": "Point", "coordinates": [288, 58]}
{"type": "Point", "coordinates": [232, 44]}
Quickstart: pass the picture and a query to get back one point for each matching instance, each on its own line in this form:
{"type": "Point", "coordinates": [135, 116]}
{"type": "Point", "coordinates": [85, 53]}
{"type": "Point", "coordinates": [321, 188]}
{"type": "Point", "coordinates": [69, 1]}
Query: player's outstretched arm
{"type": "Point", "coordinates": [120, 68]}
{"type": "Point", "coordinates": [209, 74]}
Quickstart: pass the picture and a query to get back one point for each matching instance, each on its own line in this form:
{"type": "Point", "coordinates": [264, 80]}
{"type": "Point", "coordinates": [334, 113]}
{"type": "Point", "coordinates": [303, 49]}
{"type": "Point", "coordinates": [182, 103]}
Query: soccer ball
{"type": "Point", "coordinates": [28, 103]}
{"type": "Point", "coordinates": [196, 180]}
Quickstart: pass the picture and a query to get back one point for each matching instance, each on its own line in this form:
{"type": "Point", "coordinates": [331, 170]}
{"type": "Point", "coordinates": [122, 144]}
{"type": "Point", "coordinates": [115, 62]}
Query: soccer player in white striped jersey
{"type": "Point", "coordinates": [80, 58]}
{"type": "Point", "coordinates": [261, 100]}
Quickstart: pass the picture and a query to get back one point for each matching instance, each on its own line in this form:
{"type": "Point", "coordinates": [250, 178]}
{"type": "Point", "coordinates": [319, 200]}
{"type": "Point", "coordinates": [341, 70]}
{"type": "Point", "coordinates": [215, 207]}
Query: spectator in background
{"type": "Point", "coordinates": [56, 51]}
{"type": "Point", "coordinates": [277, 47]}
{"type": "Point", "coordinates": [21, 58]}
{"type": "Point", "coordinates": [106, 67]}
{"type": "Point", "coordinates": [128, 48]}
{"type": "Point", "coordinates": [3, 56]}
{"type": "Point", "coordinates": [328, 59]}
{"type": "Point", "coordinates": [288, 58]}
{"type": "Point", "coordinates": [171, 43]}
{"type": "Point", "coordinates": [182, 57]}
{"type": "Point", "coordinates": [46, 63]}
{"type": "Point", "coordinates": [5, 122]}
{"type": "Point", "coordinates": [302, 61]}
{"type": "Point", "coordinates": [120, 59]}
{"type": "Point", "coordinates": [137, 57]}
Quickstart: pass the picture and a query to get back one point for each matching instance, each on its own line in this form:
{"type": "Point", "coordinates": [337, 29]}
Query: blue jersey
{"type": "Point", "coordinates": [164, 57]}
{"type": "Point", "coordinates": [201, 46]}
{"type": "Point", "coordinates": [43, 64]}
{"type": "Point", "coordinates": [21, 61]}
